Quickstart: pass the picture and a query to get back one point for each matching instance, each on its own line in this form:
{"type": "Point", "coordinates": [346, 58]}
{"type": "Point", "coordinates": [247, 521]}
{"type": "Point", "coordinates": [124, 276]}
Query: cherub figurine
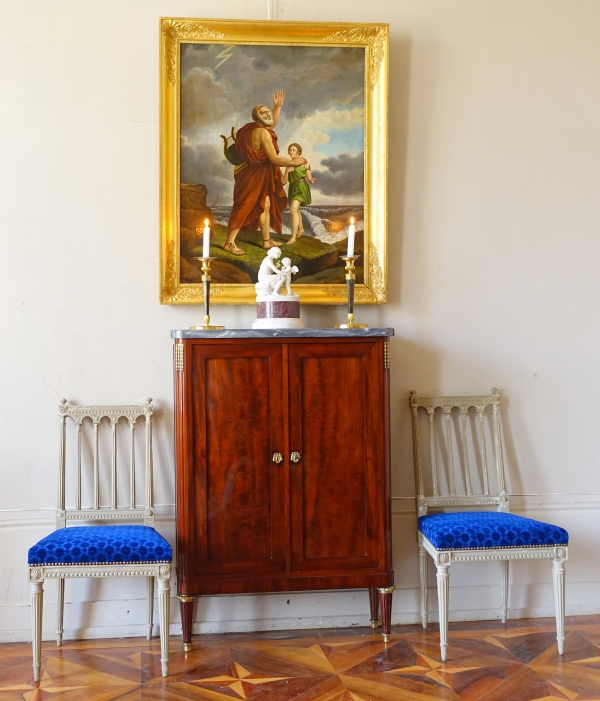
{"type": "Point", "coordinates": [285, 277]}
{"type": "Point", "coordinates": [274, 308]}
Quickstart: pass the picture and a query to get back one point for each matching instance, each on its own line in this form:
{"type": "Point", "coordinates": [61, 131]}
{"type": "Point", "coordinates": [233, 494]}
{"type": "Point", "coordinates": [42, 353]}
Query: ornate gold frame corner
{"type": "Point", "coordinates": [375, 39]}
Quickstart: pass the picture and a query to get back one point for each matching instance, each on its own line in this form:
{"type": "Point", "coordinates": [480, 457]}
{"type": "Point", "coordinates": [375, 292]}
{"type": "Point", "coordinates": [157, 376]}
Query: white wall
{"type": "Point", "coordinates": [494, 259]}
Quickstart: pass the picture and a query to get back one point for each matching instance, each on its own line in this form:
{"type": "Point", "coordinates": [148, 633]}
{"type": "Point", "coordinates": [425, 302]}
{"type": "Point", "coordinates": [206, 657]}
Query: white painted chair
{"type": "Point", "coordinates": [102, 550]}
{"type": "Point", "coordinates": [473, 536]}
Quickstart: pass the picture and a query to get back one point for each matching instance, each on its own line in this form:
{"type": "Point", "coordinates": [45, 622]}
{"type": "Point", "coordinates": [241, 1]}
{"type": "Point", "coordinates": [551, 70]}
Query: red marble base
{"type": "Point", "coordinates": [279, 309]}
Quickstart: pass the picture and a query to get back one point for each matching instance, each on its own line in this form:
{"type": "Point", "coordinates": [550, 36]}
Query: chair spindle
{"type": "Point", "coordinates": [451, 481]}
{"type": "Point", "coordinates": [463, 416]}
{"type": "Point", "coordinates": [62, 461]}
{"type": "Point", "coordinates": [417, 451]}
{"type": "Point", "coordinates": [149, 493]}
{"type": "Point", "coordinates": [114, 463]}
{"type": "Point", "coordinates": [78, 448]}
{"type": "Point", "coordinates": [436, 491]}
{"type": "Point", "coordinates": [96, 466]}
{"type": "Point", "coordinates": [486, 484]}
{"type": "Point", "coordinates": [132, 465]}
{"type": "Point", "coordinates": [498, 447]}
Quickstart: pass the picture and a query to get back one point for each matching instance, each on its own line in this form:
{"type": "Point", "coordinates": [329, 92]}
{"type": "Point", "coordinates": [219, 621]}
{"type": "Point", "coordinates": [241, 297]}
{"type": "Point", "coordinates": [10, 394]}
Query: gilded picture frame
{"type": "Point", "coordinates": [328, 83]}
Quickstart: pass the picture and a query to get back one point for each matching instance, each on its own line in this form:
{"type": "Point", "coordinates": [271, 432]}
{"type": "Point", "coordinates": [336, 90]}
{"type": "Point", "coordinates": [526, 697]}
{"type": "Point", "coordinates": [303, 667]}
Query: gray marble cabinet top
{"type": "Point", "coordinates": [284, 333]}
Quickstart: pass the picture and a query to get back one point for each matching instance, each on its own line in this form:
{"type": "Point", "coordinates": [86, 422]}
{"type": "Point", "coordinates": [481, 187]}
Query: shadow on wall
{"type": "Point", "coordinates": [399, 107]}
{"type": "Point", "coordinates": [410, 176]}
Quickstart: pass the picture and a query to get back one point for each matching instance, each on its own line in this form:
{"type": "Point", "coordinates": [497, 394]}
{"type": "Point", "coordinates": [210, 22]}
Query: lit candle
{"type": "Point", "coordinates": [206, 240]}
{"type": "Point", "coordinates": [351, 232]}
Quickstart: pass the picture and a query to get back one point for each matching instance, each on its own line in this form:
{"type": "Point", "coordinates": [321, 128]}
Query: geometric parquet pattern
{"type": "Point", "coordinates": [487, 660]}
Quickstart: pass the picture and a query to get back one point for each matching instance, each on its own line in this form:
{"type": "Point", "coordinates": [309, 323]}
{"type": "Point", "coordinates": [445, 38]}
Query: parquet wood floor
{"type": "Point", "coordinates": [487, 661]}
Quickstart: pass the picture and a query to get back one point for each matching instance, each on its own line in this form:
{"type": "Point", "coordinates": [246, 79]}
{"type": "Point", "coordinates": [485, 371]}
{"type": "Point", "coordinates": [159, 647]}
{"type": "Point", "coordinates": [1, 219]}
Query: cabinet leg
{"type": "Point", "coordinates": [385, 600]}
{"type": "Point", "coordinates": [374, 601]}
{"type": "Point", "coordinates": [186, 606]}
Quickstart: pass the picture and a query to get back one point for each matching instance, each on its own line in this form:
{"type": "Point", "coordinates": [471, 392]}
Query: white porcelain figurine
{"type": "Point", "coordinates": [276, 305]}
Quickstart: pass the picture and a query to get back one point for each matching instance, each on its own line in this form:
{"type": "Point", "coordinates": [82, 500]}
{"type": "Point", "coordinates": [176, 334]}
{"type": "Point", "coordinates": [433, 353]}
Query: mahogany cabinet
{"type": "Point", "coordinates": [282, 449]}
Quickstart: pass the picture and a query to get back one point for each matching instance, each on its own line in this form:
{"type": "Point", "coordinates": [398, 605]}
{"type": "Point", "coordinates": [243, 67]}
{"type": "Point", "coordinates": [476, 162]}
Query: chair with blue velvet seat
{"type": "Point", "coordinates": [462, 433]}
{"type": "Point", "coordinates": [103, 550]}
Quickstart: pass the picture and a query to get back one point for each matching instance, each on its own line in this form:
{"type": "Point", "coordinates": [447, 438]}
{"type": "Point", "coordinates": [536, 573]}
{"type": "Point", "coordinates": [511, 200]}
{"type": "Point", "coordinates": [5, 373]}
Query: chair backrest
{"type": "Point", "coordinates": [133, 510]}
{"type": "Point", "coordinates": [475, 471]}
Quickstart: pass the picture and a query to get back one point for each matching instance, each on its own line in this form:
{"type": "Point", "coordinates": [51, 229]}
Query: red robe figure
{"type": "Point", "coordinates": [258, 195]}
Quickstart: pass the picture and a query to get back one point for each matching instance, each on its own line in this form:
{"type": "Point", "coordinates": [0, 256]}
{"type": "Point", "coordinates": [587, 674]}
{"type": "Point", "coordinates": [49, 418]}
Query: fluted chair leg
{"type": "Point", "coordinates": [164, 601]}
{"type": "Point", "coordinates": [443, 586]}
{"type": "Point", "coordinates": [504, 591]}
{"type": "Point", "coordinates": [37, 603]}
{"type": "Point", "coordinates": [558, 575]}
{"type": "Point", "coordinates": [150, 602]}
{"type": "Point", "coordinates": [423, 578]}
{"type": "Point", "coordinates": [60, 611]}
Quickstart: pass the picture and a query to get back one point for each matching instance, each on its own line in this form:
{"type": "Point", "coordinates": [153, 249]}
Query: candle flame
{"type": "Point", "coordinates": [351, 220]}
{"type": "Point", "coordinates": [206, 222]}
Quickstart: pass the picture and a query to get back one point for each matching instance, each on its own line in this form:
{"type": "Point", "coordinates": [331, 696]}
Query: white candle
{"type": "Point", "coordinates": [206, 240]}
{"type": "Point", "coordinates": [351, 232]}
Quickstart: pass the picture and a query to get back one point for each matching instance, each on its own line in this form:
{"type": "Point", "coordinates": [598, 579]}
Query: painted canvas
{"type": "Point", "coordinates": [273, 134]}
{"type": "Point", "coordinates": [272, 154]}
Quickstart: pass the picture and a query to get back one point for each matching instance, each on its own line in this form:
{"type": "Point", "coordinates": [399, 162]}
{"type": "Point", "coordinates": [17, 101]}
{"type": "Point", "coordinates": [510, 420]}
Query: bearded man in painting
{"type": "Point", "coordinates": [258, 195]}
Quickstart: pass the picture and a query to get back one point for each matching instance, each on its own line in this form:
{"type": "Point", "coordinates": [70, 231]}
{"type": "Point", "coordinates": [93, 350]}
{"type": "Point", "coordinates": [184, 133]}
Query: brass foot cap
{"type": "Point", "coordinates": [386, 637]}
{"type": "Point", "coordinates": [374, 624]}
{"type": "Point", "coordinates": [187, 647]}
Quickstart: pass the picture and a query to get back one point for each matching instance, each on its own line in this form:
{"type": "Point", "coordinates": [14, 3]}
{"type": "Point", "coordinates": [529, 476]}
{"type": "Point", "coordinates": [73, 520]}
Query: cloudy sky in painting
{"type": "Point", "coordinates": [323, 112]}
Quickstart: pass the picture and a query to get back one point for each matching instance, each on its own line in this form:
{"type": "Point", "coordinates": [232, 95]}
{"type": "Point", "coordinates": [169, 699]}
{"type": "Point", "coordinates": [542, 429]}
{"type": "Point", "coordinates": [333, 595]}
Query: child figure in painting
{"type": "Point", "coordinates": [298, 190]}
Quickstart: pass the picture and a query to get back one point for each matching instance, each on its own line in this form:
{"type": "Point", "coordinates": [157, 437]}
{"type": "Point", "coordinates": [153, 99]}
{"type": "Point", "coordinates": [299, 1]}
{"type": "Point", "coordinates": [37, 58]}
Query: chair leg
{"type": "Point", "coordinates": [423, 577]}
{"type": "Point", "coordinates": [443, 585]}
{"type": "Point", "coordinates": [150, 602]}
{"type": "Point", "coordinates": [164, 601]}
{"type": "Point", "coordinates": [504, 590]}
{"type": "Point", "coordinates": [60, 611]}
{"type": "Point", "coordinates": [37, 602]}
{"type": "Point", "coordinates": [558, 575]}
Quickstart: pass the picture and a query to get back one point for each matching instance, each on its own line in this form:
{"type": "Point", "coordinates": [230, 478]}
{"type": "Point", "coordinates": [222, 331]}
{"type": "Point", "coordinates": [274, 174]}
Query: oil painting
{"type": "Point", "coordinates": [272, 138]}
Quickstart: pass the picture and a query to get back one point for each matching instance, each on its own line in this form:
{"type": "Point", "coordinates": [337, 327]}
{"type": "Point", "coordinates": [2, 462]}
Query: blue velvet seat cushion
{"type": "Point", "coordinates": [488, 529]}
{"type": "Point", "coordinates": [100, 544]}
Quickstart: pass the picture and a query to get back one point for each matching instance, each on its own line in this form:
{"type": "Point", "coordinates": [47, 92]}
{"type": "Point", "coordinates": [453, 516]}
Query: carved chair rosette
{"type": "Point", "coordinates": [102, 550]}
{"type": "Point", "coordinates": [455, 470]}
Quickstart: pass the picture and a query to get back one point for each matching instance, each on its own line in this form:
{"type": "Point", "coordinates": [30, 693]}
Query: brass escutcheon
{"type": "Point", "coordinates": [295, 456]}
{"type": "Point", "coordinates": [277, 457]}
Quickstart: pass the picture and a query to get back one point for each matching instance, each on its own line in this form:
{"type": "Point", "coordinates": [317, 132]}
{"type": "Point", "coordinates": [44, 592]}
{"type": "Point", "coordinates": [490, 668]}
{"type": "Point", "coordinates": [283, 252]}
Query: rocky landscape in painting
{"type": "Point", "coordinates": [317, 253]}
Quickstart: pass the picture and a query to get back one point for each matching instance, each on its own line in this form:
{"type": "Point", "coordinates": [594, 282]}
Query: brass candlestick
{"type": "Point", "coordinates": [350, 277]}
{"type": "Point", "coordinates": [206, 262]}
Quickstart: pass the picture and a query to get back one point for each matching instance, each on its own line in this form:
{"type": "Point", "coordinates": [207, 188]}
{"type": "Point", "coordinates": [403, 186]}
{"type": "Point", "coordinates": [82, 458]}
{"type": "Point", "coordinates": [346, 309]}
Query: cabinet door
{"type": "Point", "coordinates": [237, 495]}
{"type": "Point", "coordinates": [337, 488]}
